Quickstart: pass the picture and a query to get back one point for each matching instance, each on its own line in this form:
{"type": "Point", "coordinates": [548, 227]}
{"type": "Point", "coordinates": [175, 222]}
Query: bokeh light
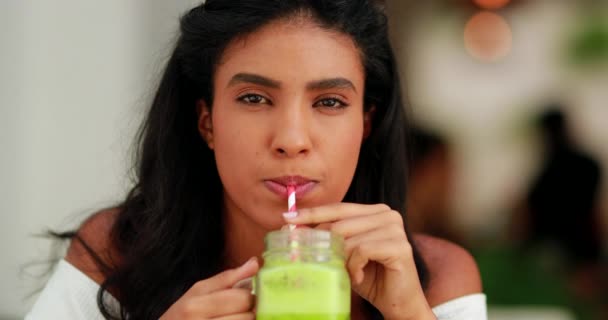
{"type": "Point", "coordinates": [491, 4]}
{"type": "Point", "coordinates": [487, 36]}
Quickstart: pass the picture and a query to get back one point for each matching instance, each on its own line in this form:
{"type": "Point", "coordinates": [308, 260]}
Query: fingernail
{"type": "Point", "coordinates": [290, 215]}
{"type": "Point", "coordinates": [244, 284]}
{"type": "Point", "coordinates": [248, 262]}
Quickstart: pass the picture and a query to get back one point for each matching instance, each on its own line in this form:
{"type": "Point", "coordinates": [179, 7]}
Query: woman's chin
{"type": "Point", "coordinates": [267, 223]}
{"type": "Point", "coordinates": [274, 225]}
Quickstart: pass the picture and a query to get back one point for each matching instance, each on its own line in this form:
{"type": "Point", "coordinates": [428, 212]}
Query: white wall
{"type": "Point", "coordinates": [75, 76]}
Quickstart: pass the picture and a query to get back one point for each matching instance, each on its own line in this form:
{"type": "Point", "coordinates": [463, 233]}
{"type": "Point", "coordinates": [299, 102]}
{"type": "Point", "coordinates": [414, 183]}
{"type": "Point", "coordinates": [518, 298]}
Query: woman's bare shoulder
{"type": "Point", "coordinates": [452, 269]}
{"type": "Point", "coordinates": [91, 250]}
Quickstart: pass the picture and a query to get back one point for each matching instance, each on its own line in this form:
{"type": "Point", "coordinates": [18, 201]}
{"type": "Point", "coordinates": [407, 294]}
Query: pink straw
{"type": "Point", "coordinates": [291, 203]}
{"type": "Point", "coordinates": [291, 207]}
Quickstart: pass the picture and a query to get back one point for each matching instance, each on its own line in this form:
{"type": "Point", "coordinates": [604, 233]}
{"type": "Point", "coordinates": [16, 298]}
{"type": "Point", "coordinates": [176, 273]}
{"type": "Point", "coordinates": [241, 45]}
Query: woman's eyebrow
{"type": "Point", "coordinates": [254, 79]}
{"type": "Point", "coordinates": [331, 83]}
{"type": "Point", "coordinates": [322, 84]}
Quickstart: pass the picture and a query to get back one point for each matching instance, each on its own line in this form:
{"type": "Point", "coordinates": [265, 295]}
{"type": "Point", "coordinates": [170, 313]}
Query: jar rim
{"type": "Point", "coordinates": [303, 237]}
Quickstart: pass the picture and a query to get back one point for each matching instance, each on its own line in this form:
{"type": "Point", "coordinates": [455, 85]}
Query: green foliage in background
{"type": "Point", "coordinates": [531, 277]}
{"type": "Point", "coordinates": [589, 44]}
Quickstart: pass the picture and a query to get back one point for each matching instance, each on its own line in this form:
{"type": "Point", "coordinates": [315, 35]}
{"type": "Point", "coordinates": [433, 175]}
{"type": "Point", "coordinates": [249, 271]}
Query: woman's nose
{"type": "Point", "coordinates": [291, 136]}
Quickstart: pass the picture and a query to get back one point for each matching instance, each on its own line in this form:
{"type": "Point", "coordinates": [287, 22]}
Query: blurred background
{"type": "Point", "coordinates": [509, 101]}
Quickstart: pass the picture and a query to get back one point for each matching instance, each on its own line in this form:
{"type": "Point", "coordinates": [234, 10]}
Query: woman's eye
{"type": "Point", "coordinates": [251, 98]}
{"type": "Point", "coordinates": [331, 103]}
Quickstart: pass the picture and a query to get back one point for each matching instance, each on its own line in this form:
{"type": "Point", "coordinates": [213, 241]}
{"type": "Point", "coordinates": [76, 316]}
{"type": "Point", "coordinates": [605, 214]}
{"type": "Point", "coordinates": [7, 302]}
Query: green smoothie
{"type": "Point", "coordinates": [303, 290]}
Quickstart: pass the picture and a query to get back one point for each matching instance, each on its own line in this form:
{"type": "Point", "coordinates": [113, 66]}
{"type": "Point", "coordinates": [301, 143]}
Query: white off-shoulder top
{"type": "Point", "coordinates": [70, 294]}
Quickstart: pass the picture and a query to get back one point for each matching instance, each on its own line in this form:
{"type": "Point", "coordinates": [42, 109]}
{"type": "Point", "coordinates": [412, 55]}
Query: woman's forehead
{"type": "Point", "coordinates": [287, 52]}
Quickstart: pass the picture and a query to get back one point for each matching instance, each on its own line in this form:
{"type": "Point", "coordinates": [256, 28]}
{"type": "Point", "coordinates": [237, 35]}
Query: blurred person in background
{"type": "Point", "coordinates": [429, 185]}
{"type": "Point", "coordinates": [561, 215]}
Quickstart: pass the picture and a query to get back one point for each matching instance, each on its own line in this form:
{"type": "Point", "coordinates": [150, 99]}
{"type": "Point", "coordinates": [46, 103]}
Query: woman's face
{"type": "Point", "coordinates": [287, 110]}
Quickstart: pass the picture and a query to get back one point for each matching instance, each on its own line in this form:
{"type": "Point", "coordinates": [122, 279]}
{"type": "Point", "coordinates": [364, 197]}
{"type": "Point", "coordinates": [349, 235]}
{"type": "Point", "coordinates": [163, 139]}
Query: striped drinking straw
{"type": "Point", "coordinates": [291, 207]}
{"type": "Point", "coordinates": [291, 203]}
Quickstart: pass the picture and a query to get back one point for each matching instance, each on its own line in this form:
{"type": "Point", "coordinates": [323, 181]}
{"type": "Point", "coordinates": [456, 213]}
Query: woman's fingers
{"type": "Point", "coordinates": [216, 304]}
{"type": "Point", "coordinates": [361, 224]}
{"type": "Point", "coordinates": [389, 233]}
{"type": "Point", "coordinates": [388, 253]}
{"type": "Point", "coordinates": [240, 316]}
{"type": "Point", "coordinates": [226, 279]}
{"type": "Point", "coordinates": [215, 297]}
{"type": "Point", "coordinates": [334, 212]}
{"type": "Point", "coordinates": [371, 232]}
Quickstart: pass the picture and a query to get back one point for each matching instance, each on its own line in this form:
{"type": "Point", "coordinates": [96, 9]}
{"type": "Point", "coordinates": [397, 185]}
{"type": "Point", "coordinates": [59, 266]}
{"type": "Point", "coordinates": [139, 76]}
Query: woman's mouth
{"type": "Point", "coordinates": [279, 185]}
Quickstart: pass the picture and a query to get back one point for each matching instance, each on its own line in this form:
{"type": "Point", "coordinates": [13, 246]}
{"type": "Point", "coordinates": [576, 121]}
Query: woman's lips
{"type": "Point", "coordinates": [281, 189]}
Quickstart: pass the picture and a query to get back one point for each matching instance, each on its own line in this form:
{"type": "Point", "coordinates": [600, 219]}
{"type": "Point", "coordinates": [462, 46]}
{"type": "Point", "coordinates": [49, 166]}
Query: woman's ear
{"type": "Point", "coordinates": [205, 125]}
{"type": "Point", "coordinates": [368, 117]}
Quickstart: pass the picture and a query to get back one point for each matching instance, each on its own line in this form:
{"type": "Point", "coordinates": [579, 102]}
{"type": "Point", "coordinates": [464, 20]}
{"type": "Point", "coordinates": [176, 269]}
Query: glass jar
{"type": "Point", "coordinates": [303, 277]}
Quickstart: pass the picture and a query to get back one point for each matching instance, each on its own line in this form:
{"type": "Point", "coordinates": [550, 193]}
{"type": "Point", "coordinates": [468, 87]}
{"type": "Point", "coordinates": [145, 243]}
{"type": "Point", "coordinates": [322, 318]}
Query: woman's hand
{"type": "Point", "coordinates": [215, 298]}
{"type": "Point", "coordinates": [378, 256]}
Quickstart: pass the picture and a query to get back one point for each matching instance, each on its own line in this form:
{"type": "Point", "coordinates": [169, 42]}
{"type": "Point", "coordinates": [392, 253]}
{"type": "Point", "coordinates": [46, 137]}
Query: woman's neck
{"type": "Point", "coordinates": [242, 236]}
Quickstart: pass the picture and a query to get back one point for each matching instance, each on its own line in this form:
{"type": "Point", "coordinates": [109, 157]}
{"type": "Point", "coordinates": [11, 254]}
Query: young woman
{"type": "Point", "coordinates": [259, 94]}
